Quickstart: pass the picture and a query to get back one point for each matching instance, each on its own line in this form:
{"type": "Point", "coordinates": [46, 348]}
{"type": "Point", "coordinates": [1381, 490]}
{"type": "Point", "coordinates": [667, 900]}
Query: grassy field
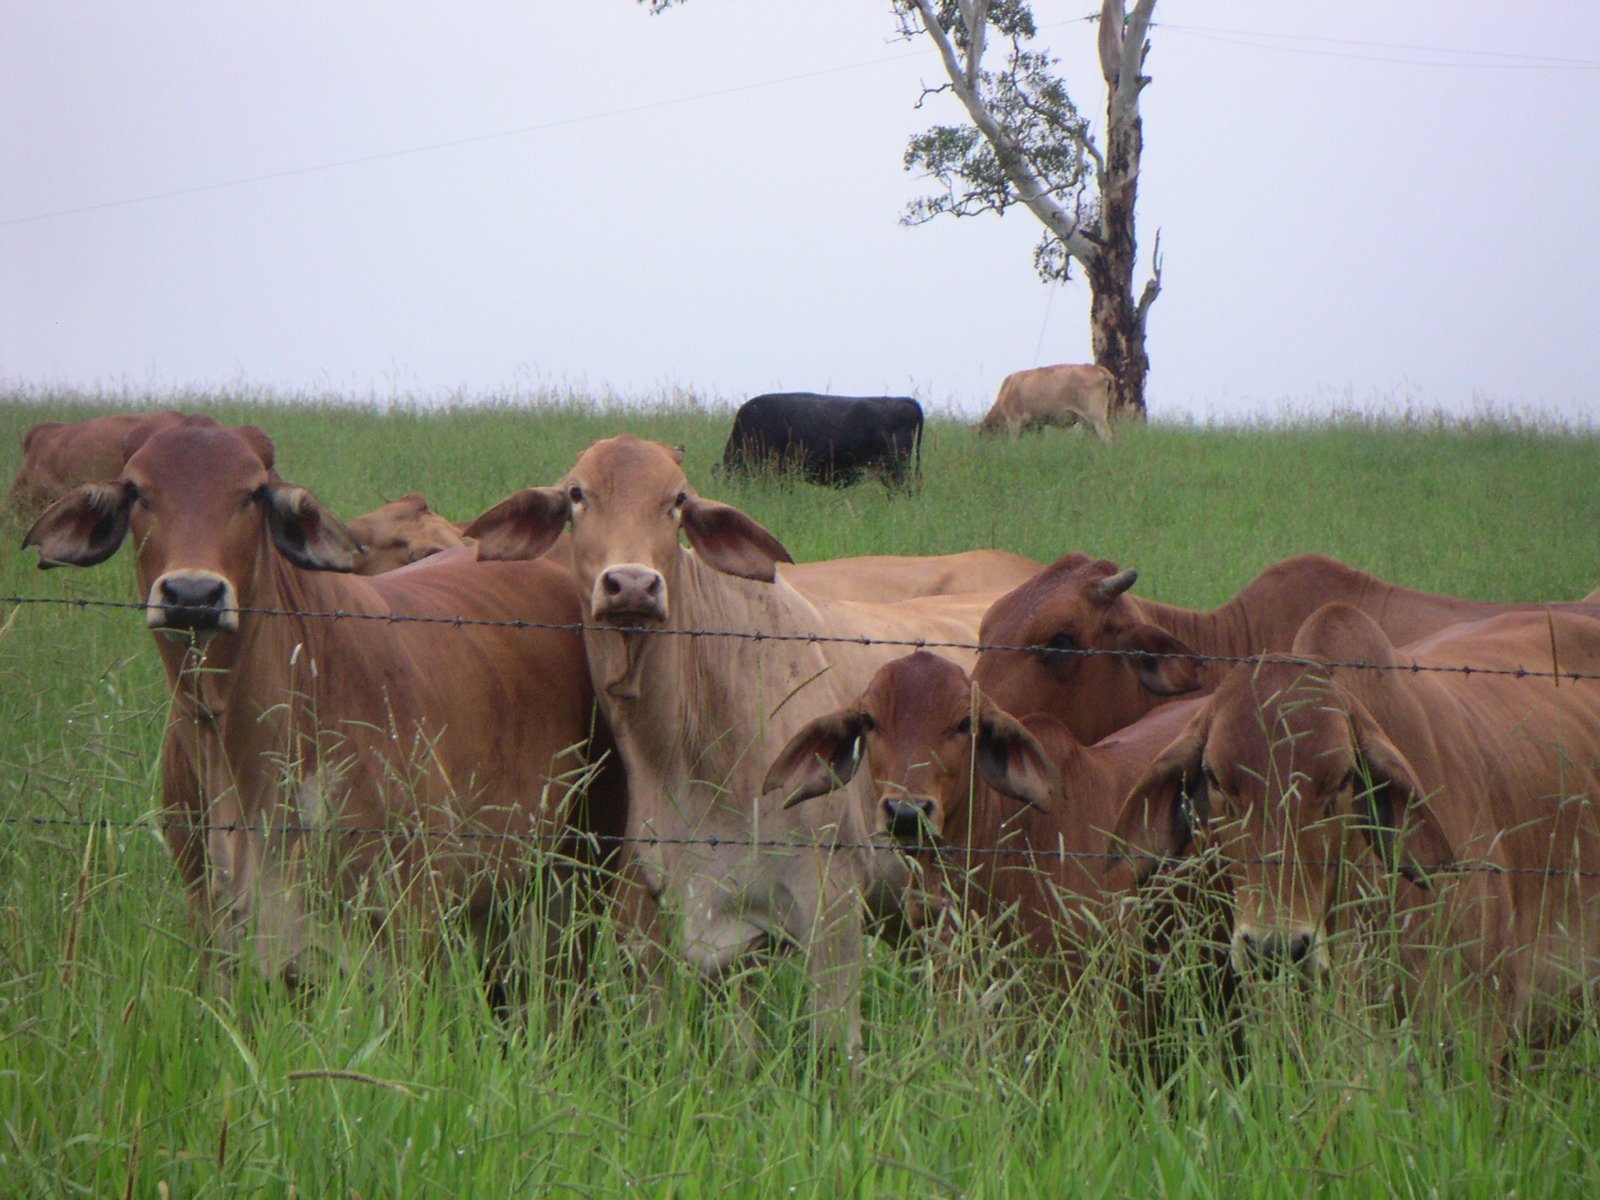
{"type": "Point", "coordinates": [123, 1073]}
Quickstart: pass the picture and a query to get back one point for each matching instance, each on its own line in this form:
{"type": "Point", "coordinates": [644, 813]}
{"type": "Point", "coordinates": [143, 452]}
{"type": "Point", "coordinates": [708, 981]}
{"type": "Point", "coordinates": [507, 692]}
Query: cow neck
{"type": "Point", "coordinates": [682, 693]}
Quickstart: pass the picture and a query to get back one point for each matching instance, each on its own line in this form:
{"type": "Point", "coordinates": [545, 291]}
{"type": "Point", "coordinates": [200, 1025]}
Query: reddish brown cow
{"type": "Point", "coordinates": [58, 456]}
{"type": "Point", "coordinates": [367, 729]}
{"type": "Point", "coordinates": [1482, 787]}
{"type": "Point", "coordinates": [1082, 604]}
{"type": "Point", "coordinates": [402, 532]}
{"type": "Point", "coordinates": [1021, 811]}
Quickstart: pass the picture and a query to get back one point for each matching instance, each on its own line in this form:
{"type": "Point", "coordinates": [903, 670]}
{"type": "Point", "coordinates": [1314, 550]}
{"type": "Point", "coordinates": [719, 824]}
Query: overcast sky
{"type": "Point", "coordinates": [1364, 202]}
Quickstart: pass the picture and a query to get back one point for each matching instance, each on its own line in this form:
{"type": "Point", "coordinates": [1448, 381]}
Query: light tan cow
{"type": "Point", "coordinates": [1067, 394]}
{"type": "Point", "coordinates": [401, 532]}
{"type": "Point", "coordinates": [57, 456]}
{"type": "Point", "coordinates": [363, 742]}
{"type": "Point", "coordinates": [1482, 790]}
{"type": "Point", "coordinates": [886, 578]}
{"type": "Point", "coordinates": [698, 718]}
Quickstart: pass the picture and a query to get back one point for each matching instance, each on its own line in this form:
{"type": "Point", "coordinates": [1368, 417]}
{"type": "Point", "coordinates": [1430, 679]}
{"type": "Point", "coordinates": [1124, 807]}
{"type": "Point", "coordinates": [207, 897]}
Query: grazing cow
{"type": "Point", "coordinates": [889, 577]}
{"type": "Point", "coordinates": [1481, 787]}
{"type": "Point", "coordinates": [1021, 809]}
{"type": "Point", "coordinates": [829, 439]}
{"type": "Point", "coordinates": [1083, 605]}
{"type": "Point", "coordinates": [697, 718]}
{"type": "Point", "coordinates": [400, 532]}
{"type": "Point", "coordinates": [367, 729]}
{"type": "Point", "coordinates": [58, 456]}
{"type": "Point", "coordinates": [1065, 395]}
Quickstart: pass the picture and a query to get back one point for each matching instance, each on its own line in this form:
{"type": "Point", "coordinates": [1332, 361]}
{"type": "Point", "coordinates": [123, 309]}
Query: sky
{"type": "Point", "coordinates": [1385, 206]}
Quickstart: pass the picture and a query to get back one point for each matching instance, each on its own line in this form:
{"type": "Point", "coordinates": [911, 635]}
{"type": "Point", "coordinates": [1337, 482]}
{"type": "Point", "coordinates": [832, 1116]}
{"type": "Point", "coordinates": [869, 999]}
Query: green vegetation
{"type": "Point", "coordinates": [124, 1072]}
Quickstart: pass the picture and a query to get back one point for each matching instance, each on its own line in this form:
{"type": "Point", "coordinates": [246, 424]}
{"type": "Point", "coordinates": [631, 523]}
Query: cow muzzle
{"type": "Point", "coordinates": [630, 594]}
{"type": "Point", "coordinates": [909, 819]}
{"type": "Point", "coordinates": [199, 602]}
{"type": "Point", "coordinates": [1267, 953]}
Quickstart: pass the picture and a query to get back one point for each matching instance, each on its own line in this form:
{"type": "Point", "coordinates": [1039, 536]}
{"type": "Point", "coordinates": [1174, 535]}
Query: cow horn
{"type": "Point", "coordinates": [1113, 586]}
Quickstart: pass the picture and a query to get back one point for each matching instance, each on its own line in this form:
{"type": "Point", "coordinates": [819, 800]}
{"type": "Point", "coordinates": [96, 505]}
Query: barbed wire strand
{"type": "Point", "coordinates": [942, 850]}
{"type": "Point", "coordinates": [1411, 668]}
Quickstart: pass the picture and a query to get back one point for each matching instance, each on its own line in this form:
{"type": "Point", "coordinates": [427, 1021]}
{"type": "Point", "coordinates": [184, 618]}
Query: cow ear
{"type": "Point", "coordinates": [1159, 817]}
{"type": "Point", "coordinates": [258, 441]}
{"type": "Point", "coordinates": [1152, 649]}
{"type": "Point", "coordinates": [82, 528]}
{"type": "Point", "coordinates": [731, 542]}
{"type": "Point", "coordinates": [821, 758]}
{"type": "Point", "coordinates": [523, 525]}
{"type": "Point", "coordinates": [306, 532]}
{"type": "Point", "coordinates": [1012, 761]}
{"type": "Point", "coordinates": [1401, 825]}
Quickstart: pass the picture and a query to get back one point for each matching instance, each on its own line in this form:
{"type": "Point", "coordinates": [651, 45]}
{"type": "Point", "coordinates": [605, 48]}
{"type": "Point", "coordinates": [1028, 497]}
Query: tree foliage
{"type": "Point", "coordinates": [1044, 134]}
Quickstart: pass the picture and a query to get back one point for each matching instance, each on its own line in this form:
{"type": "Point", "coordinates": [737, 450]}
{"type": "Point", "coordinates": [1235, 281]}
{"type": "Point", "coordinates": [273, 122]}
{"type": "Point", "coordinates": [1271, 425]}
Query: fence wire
{"type": "Point", "coordinates": [1554, 673]}
{"type": "Point", "coordinates": [934, 849]}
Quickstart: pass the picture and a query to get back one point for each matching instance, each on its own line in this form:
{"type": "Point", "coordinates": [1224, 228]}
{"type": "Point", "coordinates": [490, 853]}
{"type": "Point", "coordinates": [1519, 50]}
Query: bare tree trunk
{"type": "Point", "coordinates": [1117, 322]}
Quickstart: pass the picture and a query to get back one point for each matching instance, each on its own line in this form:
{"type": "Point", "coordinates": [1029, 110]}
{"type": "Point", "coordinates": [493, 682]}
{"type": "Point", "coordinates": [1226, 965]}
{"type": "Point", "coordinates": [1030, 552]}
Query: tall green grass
{"type": "Point", "coordinates": [124, 1072]}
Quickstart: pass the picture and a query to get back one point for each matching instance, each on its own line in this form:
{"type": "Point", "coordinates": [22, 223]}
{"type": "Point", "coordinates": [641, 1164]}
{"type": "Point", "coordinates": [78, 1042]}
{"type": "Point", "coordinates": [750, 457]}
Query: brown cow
{"type": "Point", "coordinates": [698, 718]}
{"type": "Point", "coordinates": [1079, 605]}
{"type": "Point", "coordinates": [401, 532]}
{"type": "Point", "coordinates": [1482, 787]}
{"type": "Point", "coordinates": [1067, 394]}
{"type": "Point", "coordinates": [886, 578]}
{"type": "Point", "coordinates": [1020, 810]}
{"type": "Point", "coordinates": [58, 456]}
{"type": "Point", "coordinates": [367, 727]}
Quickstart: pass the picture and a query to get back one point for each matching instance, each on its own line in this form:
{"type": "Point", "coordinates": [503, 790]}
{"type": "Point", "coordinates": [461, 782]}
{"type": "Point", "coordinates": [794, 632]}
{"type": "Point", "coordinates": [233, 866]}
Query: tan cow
{"type": "Point", "coordinates": [57, 456]}
{"type": "Point", "coordinates": [371, 731]}
{"type": "Point", "coordinates": [1067, 394]}
{"type": "Point", "coordinates": [1480, 789]}
{"type": "Point", "coordinates": [401, 532]}
{"type": "Point", "coordinates": [1098, 657]}
{"type": "Point", "coordinates": [697, 718]}
{"type": "Point", "coordinates": [886, 578]}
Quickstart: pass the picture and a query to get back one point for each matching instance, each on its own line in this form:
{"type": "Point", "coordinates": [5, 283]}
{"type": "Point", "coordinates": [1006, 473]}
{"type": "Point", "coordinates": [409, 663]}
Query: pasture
{"type": "Point", "coordinates": [124, 1072]}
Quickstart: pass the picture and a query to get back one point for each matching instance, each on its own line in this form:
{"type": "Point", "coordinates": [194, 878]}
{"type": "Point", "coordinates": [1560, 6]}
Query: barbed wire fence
{"type": "Point", "coordinates": [932, 848]}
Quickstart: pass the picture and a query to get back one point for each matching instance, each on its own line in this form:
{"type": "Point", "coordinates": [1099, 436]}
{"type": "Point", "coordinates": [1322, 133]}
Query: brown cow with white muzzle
{"type": "Point", "coordinates": [422, 764]}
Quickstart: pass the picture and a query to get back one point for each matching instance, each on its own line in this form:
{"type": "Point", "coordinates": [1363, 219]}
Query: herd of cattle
{"type": "Point", "coordinates": [748, 750]}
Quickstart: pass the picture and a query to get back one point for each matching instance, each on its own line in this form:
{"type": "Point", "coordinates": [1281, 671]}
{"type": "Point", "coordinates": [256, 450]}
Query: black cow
{"type": "Point", "coordinates": [829, 439]}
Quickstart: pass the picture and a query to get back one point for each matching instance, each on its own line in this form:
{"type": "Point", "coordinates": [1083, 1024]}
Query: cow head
{"type": "Point", "coordinates": [627, 501]}
{"type": "Point", "coordinates": [401, 532]}
{"type": "Point", "coordinates": [1280, 770]}
{"type": "Point", "coordinates": [205, 508]}
{"type": "Point", "coordinates": [1075, 605]}
{"type": "Point", "coordinates": [926, 736]}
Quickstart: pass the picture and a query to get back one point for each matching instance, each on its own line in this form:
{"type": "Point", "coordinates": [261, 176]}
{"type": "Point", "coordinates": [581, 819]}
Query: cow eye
{"type": "Point", "coordinates": [258, 496]}
{"type": "Point", "coordinates": [964, 726]}
{"type": "Point", "coordinates": [575, 494]}
{"type": "Point", "coordinates": [682, 499]}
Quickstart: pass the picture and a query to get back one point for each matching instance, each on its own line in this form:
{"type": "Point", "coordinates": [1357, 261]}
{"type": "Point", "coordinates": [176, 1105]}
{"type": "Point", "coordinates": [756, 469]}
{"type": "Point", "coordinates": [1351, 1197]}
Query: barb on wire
{"type": "Point", "coordinates": [757, 635]}
{"type": "Point", "coordinates": [556, 839]}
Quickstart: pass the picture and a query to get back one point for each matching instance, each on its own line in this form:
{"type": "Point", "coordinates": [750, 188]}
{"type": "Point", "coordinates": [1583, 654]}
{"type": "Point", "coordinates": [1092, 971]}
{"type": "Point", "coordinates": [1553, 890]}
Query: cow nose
{"type": "Point", "coordinates": [908, 819]}
{"type": "Point", "coordinates": [631, 591]}
{"type": "Point", "coordinates": [1269, 952]}
{"type": "Point", "coordinates": [196, 600]}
